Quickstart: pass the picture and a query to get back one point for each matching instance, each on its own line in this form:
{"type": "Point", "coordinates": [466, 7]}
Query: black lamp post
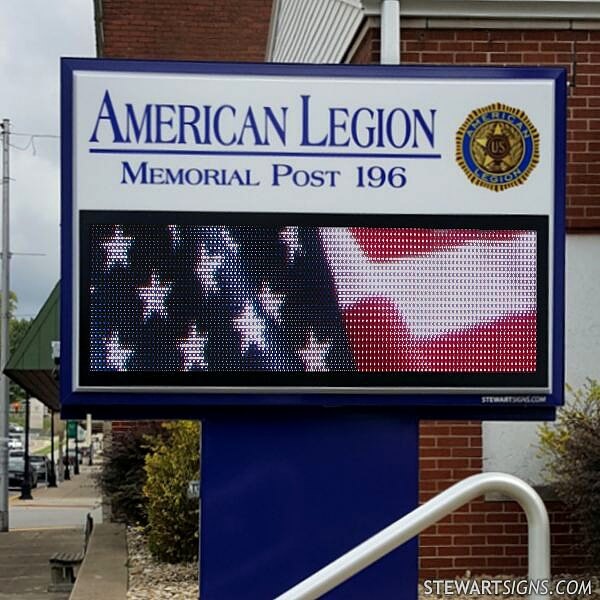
{"type": "Point", "coordinates": [89, 433]}
{"type": "Point", "coordinates": [26, 483]}
{"type": "Point", "coordinates": [52, 471]}
{"type": "Point", "coordinates": [67, 468]}
{"type": "Point", "coordinates": [76, 469]}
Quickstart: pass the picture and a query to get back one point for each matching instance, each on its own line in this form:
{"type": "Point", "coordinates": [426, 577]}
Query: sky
{"type": "Point", "coordinates": [34, 34]}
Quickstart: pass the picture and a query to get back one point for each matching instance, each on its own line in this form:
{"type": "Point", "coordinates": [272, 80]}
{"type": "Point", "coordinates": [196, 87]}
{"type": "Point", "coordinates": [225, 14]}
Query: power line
{"type": "Point", "coordinates": [31, 143]}
{"type": "Point", "coordinates": [37, 135]}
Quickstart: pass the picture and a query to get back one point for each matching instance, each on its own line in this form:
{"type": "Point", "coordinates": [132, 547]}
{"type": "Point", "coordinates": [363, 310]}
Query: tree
{"type": "Point", "coordinates": [572, 448]}
{"type": "Point", "coordinates": [174, 461]}
{"type": "Point", "coordinates": [17, 328]}
{"type": "Point", "coordinates": [123, 477]}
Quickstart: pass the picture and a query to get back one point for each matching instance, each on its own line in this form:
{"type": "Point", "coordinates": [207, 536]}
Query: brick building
{"type": "Point", "coordinates": [488, 535]}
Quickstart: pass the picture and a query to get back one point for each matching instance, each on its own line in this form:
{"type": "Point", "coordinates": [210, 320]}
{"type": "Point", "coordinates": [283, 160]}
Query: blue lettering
{"type": "Point", "coordinates": [250, 123]}
{"type": "Point", "coordinates": [405, 128]}
{"type": "Point", "coordinates": [174, 177]}
{"type": "Point", "coordinates": [135, 125]}
{"type": "Point", "coordinates": [427, 128]}
{"type": "Point", "coordinates": [193, 176]}
{"type": "Point", "coordinates": [157, 175]}
{"type": "Point", "coordinates": [280, 127]}
{"type": "Point", "coordinates": [191, 122]}
{"type": "Point", "coordinates": [161, 121]}
{"type": "Point", "coordinates": [306, 125]}
{"type": "Point", "coordinates": [217, 125]}
{"type": "Point", "coordinates": [355, 130]}
{"type": "Point", "coordinates": [109, 116]}
{"type": "Point", "coordinates": [128, 172]}
{"type": "Point", "coordinates": [334, 125]}
{"type": "Point", "coordinates": [280, 171]}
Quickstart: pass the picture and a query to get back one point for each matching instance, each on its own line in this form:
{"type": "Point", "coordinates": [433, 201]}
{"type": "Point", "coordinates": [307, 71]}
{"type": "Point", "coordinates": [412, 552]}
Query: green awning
{"type": "Point", "coordinates": [31, 364]}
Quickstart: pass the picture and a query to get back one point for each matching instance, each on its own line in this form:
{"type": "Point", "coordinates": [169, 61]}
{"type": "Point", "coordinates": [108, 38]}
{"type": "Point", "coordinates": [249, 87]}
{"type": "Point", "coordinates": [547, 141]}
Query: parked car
{"type": "Point", "coordinates": [16, 468]}
{"type": "Point", "coordinates": [15, 441]}
{"type": "Point", "coordinates": [15, 428]}
{"type": "Point", "coordinates": [42, 465]}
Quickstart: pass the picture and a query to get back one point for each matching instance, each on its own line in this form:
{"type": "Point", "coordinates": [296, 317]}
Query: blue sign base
{"type": "Point", "coordinates": [284, 495]}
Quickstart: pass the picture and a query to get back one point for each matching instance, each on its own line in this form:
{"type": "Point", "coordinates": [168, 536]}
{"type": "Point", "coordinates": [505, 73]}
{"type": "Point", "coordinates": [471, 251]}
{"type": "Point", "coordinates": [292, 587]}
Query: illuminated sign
{"type": "Point", "coordinates": [231, 231]}
{"type": "Point", "coordinates": [196, 297]}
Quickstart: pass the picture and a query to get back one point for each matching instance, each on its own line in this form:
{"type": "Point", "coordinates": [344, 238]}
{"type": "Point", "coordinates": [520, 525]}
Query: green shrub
{"type": "Point", "coordinates": [172, 518]}
{"type": "Point", "coordinates": [572, 448]}
{"type": "Point", "coordinates": [123, 477]}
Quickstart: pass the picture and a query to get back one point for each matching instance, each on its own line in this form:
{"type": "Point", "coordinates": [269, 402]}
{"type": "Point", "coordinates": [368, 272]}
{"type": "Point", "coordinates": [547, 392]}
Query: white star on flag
{"type": "Point", "coordinates": [117, 355]}
{"type": "Point", "coordinates": [251, 327]}
{"type": "Point", "coordinates": [230, 243]}
{"type": "Point", "coordinates": [207, 268]}
{"type": "Point", "coordinates": [289, 236]}
{"type": "Point", "coordinates": [175, 235]}
{"type": "Point", "coordinates": [271, 302]}
{"type": "Point", "coordinates": [192, 349]}
{"type": "Point", "coordinates": [116, 249]}
{"type": "Point", "coordinates": [314, 353]}
{"type": "Point", "coordinates": [154, 297]}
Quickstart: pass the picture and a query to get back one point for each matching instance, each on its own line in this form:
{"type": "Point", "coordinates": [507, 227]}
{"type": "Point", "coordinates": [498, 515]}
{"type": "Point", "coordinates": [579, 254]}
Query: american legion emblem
{"type": "Point", "coordinates": [497, 147]}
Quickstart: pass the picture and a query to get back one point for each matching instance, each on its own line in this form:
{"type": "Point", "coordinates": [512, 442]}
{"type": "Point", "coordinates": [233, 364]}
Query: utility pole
{"type": "Point", "coordinates": [4, 348]}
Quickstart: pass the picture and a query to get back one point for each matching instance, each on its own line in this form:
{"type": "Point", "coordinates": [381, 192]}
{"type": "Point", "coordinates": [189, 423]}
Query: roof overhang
{"type": "Point", "coordinates": [325, 31]}
{"type": "Point", "coordinates": [31, 365]}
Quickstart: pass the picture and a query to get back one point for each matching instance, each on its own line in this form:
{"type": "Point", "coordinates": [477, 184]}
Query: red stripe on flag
{"type": "Point", "coordinates": [381, 244]}
{"type": "Point", "coordinates": [381, 341]}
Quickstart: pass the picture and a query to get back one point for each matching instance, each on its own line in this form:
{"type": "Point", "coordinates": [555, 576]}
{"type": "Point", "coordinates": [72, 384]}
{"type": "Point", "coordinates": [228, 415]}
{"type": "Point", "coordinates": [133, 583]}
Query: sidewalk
{"type": "Point", "coordinates": [38, 531]}
{"type": "Point", "coordinates": [79, 490]}
{"type": "Point", "coordinates": [24, 568]}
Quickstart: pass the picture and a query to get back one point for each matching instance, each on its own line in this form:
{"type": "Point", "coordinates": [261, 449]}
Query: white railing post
{"type": "Point", "coordinates": [426, 515]}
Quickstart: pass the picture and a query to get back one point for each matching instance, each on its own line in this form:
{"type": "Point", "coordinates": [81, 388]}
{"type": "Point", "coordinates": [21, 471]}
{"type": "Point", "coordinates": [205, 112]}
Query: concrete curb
{"type": "Point", "coordinates": [103, 573]}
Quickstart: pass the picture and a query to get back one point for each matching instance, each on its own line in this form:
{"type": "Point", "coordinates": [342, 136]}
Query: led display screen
{"type": "Point", "coordinates": [291, 300]}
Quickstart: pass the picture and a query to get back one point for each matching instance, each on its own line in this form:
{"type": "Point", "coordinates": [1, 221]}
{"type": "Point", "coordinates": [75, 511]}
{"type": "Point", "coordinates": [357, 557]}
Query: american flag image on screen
{"type": "Point", "coordinates": [206, 298]}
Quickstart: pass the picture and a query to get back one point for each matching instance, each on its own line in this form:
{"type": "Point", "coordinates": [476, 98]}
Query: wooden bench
{"type": "Point", "coordinates": [63, 564]}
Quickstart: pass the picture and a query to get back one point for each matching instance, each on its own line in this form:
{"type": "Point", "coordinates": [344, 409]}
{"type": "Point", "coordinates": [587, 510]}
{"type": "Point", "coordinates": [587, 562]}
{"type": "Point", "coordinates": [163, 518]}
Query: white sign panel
{"type": "Point", "coordinates": [149, 141]}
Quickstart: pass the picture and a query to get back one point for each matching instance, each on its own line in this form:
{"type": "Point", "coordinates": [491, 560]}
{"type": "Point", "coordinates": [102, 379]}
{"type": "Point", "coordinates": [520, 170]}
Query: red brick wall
{"type": "Point", "coordinates": [491, 536]}
{"type": "Point", "coordinates": [186, 29]}
{"type": "Point", "coordinates": [485, 537]}
{"type": "Point", "coordinates": [578, 51]}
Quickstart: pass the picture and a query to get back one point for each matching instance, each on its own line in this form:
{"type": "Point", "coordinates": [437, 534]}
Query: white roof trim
{"type": "Point", "coordinates": [494, 9]}
{"type": "Point", "coordinates": [312, 31]}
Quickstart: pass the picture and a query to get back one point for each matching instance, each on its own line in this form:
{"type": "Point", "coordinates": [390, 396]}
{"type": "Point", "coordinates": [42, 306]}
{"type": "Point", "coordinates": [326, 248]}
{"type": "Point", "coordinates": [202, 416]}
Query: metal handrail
{"type": "Point", "coordinates": [426, 515]}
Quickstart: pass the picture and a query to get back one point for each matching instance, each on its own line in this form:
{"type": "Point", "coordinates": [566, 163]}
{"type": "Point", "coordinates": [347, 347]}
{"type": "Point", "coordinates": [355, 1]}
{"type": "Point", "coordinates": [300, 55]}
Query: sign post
{"type": "Point", "coordinates": [71, 429]}
{"type": "Point", "coordinates": [310, 259]}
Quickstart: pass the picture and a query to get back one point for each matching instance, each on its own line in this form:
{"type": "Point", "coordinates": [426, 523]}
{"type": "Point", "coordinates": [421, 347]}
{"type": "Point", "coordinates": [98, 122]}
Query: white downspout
{"type": "Point", "coordinates": [390, 32]}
